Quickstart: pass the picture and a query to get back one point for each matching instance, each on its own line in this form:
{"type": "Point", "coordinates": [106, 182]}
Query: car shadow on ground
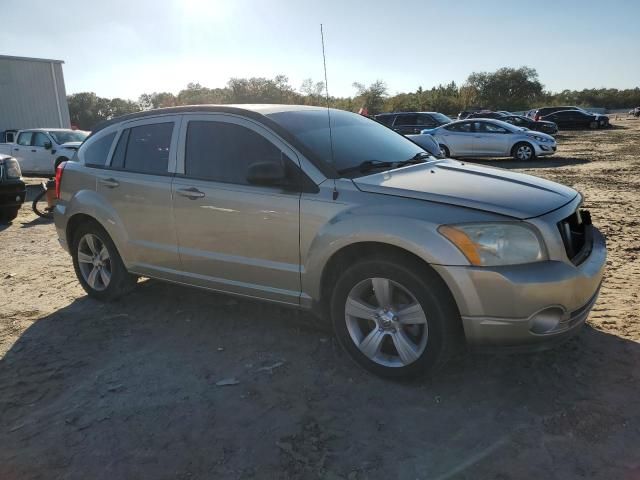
{"type": "Point", "coordinates": [128, 390]}
{"type": "Point", "coordinates": [545, 162]}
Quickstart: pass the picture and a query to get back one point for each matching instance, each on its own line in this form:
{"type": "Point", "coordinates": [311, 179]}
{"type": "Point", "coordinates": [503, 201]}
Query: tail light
{"type": "Point", "coordinates": [536, 117]}
{"type": "Point", "coordinates": [59, 171]}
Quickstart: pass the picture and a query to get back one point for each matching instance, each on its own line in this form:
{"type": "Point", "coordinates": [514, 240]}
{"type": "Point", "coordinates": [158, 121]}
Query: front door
{"type": "Point", "coordinates": [490, 139]}
{"type": "Point", "coordinates": [234, 236]}
{"type": "Point", "coordinates": [40, 155]}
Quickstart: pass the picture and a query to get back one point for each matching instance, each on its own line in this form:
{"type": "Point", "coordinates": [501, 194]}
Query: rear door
{"type": "Point", "coordinates": [234, 236]}
{"type": "Point", "coordinates": [458, 137]}
{"type": "Point", "coordinates": [137, 184]}
{"type": "Point", "coordinates": [20, 151]}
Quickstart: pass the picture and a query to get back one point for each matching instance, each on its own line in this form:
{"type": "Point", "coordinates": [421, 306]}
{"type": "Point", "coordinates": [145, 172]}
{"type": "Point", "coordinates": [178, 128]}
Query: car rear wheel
{"type": "Point", "coordinates": [445, 151]}
{"type": "Point", "coordinates": [523, 152]}
{"type": "Point", "coordinates": [394, 320]}
{"type": "Point", "coordinates": [98, 265]}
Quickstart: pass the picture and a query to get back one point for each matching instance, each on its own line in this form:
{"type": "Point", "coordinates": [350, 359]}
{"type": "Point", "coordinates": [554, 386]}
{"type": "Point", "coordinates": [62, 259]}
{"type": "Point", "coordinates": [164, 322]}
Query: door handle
{"type": "Point", "coordinates": [34, 151]}
{"type": "Point", "coordinates": [191, 193]}
{"type": "Point", "coordinates": [16, 149]}
{"type": "Point", "coordinates": [109, 182]}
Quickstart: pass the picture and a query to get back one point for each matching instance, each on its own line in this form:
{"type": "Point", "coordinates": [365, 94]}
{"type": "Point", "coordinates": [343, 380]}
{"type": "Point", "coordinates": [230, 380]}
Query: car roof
{"type": "Point", "coordinates": [402, 113]}
{"type": "Point", "coordinates": [241, 109]}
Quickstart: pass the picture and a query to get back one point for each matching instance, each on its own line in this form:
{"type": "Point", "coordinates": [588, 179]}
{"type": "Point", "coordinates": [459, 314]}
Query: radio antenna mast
{"type": "Point", "coordinates": [326, 89]}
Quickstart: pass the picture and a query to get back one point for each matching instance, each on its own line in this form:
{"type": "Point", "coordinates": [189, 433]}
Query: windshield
{"type": "Point", "coordinates": [441, 117]}
{"type": "Point", "coordinates": [64, 136]}
{"type": "Point", "coordinates": [356, 139]}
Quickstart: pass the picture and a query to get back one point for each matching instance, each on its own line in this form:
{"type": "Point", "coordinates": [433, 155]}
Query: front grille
{"type": "Point", "coordinates": [576, 235]}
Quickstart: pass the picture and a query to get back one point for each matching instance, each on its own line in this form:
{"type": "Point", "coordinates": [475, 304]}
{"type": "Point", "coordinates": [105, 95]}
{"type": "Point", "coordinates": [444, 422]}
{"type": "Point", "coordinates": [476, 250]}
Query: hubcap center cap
{"type": "Point", "coordinates": [387, 319]}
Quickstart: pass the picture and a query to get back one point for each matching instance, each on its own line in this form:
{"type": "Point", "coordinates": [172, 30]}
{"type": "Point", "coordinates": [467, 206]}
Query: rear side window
{"type": "Point", "coordinates": [96, 154]}
{"type": "Point", "coordinates": [24, 139]}
{"type": "Point", "coordinates": [386, 119]}
{"type": "Point", "coordinates": [148, 148]}
{"type": "Point", "coordinates": [406, 120]}
{"type": "Point", "coordinates": [121, 149]}
{"type": "Point", "coordinates": [222, 152]}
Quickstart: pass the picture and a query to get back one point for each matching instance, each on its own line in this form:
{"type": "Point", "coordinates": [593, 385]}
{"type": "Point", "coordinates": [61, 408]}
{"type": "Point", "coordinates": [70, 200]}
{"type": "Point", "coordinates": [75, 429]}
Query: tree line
{"type": "Point", "coordinates": [505, 89]}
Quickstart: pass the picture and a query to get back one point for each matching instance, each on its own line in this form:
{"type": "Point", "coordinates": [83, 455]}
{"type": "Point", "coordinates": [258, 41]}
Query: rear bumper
{"type": "Point", "coordinates": [526, 306]}
{"type": "Point", "coordinates": [60, 219]}
{"type": "Point", "coordinates": [12, 194]}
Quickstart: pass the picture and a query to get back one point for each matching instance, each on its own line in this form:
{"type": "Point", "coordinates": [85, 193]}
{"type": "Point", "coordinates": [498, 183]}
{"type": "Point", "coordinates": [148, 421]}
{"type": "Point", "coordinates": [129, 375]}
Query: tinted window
{"type": "Point", "coordinates": [489, 128]}
{"type": "Point", "coordinates": [356, 139]}
{"type": "Point", "coordinates": [39, 139]}
{"type": "Point", "coordinates": [441, 118]}
{"type": "Point", "coordinates": [148, 148]}
{"type": "Point", "coordinates": [118, 155]}
{"type": "Point", "coordinates": [222, 152]}
{"type": "Point", "coordinates": [96, 153]}
{"type": "Point", "coordinates": [24, 139]}
{"type": "Point", "coordinates": [406, 120]}
{"type": "Point", "coordinates": [459, 127]}
{"type": "Point", "coordinates": [386, 119]}
{"type": "Point", "coordinates": [425, 120]}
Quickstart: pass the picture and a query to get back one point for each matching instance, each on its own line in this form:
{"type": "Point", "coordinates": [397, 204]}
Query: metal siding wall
{"type": "Point", "coordinates": [28, 96]}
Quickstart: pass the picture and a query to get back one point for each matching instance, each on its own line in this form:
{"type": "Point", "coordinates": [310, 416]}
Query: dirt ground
{"type": "Point", "coordinates": [128, 390]}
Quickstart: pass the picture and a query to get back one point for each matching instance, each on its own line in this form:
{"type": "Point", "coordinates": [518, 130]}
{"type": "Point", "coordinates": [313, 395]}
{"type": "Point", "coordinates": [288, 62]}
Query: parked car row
{"type": "Point", "coordinates": [40, 150]}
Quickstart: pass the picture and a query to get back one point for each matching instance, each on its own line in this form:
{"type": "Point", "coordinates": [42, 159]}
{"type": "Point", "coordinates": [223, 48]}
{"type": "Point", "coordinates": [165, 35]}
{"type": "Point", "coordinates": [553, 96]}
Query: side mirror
{"type": "Point", "coordinates": [266, 174]}
{"type": "Point", "coordinates": [47, 145]}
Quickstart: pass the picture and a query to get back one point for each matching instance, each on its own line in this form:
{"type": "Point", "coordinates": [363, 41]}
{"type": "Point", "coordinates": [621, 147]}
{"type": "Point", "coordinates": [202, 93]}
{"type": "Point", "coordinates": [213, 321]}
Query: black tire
{"type": "Point", "coordinates": [593, 125]}
{"type": "Point", "coordinates": [523, 145]}
{"type": "Point", "coordinates": [443, 319]}
{"type": "Point", "coordinates": [445, 151]}
{"type": "Point", "coordinates": [7, 215]}
{"type": "Point", "coordinates": [121, 281]}
{"type": "Point", "coordinates": [41, 207]}
{"type": "Point", "coordinates": [58, 161]}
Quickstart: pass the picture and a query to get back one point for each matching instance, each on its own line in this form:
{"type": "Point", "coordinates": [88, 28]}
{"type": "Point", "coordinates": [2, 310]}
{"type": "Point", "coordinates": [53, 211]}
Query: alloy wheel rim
{"type": "Point", "coordinates": [94, 262]}
{"type": "Point", "coordinates": [524, 152]}
{"type": "Point", "coordinates": [386, 322]}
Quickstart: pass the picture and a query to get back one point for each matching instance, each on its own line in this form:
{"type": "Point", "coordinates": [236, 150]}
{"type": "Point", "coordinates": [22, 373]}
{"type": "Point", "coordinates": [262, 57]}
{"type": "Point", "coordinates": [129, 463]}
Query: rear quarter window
{"type": "Point", "coordinates": [96, 154]}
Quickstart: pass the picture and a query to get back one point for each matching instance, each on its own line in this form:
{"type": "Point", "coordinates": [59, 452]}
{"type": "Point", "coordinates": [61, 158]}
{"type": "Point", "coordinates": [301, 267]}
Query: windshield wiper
{"type": "Point", "coordinates": [417, 158]}
{"type": "Point", "coordinates": [367, 166]}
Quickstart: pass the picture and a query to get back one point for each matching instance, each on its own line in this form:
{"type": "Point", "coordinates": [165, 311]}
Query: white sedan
{"type": "Point", "coordinates": [483, 137]}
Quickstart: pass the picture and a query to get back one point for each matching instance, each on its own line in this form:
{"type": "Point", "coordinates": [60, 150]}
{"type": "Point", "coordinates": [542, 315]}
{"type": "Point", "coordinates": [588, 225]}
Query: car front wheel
{"type": "Point", "coordinates": [394, 320]}
{"type": "Point", "coordinates": [523, 152]}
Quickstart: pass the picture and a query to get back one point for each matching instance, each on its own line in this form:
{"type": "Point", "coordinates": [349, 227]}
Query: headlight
{"type": "Point", "coordinates": [538, 138]}
{"type": "Point", "coordinates": [491, 244]}
{"type": "Point", "coordinates": [13, 168]}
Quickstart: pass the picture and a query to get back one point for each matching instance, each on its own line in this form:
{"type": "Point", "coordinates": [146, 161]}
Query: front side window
{"type": "Point", "coordinates": [222, 152]}
{"type": "Point", "coordinates": [96, 153]}
{"type": "Point", "coordinates": [24, 139]}
{"type": "Point", "coordinates": [39, 139]}
{"type": "Point", "coordinates": [386, 119]}
{"type": "Point", "coordinates": [464, 127]}
{"type": "Point", "coordinates": [356, 139]}
{"type": "Point", "coordinates": [485, 127]}
{"type": "Point", "coordinates": [425, 120]}
{"type": "Point", "coordinates": [148, 148]}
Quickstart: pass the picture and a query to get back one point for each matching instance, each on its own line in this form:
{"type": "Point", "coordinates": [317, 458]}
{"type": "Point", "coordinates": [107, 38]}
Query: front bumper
{"type": "Point", "coordinates": [544, 149]}
{"type": "Point", "coordinates": [532, 306]}
{"type": "Point", "coordinates": [12, 194]}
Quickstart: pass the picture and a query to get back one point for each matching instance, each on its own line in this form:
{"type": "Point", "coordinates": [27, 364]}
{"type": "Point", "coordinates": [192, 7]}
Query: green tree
{"type": "Point", "coordinates": [372, 97]}
{"type": "Point", "coordinates": [507, 88]}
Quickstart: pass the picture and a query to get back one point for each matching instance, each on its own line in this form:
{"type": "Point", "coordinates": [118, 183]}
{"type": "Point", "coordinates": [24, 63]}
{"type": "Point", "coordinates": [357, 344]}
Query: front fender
{"type": "Point", "coordinates": [415, 235]}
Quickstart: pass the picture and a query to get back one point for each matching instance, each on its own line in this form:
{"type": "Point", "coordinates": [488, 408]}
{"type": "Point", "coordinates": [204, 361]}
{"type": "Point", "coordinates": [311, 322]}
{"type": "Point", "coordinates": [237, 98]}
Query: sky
{"type": "Point", "coordinates": [122, 48]}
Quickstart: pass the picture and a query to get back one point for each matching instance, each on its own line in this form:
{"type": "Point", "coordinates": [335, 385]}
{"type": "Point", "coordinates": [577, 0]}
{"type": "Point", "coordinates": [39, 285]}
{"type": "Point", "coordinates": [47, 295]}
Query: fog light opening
{"type": "Point", "coordinates": [546, 320]}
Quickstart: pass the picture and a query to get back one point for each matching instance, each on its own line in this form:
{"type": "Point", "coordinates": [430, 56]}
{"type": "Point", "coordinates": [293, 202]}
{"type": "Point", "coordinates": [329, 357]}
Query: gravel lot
{"type": "Point", "coordinates": [128, 390]}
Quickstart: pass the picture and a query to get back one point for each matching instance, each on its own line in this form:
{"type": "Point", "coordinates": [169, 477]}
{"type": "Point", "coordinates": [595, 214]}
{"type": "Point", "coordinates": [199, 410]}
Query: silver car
{"type": "Point", "coordinates": [483, 137]}
{"type": "Point", "coordinates": [408, 255]}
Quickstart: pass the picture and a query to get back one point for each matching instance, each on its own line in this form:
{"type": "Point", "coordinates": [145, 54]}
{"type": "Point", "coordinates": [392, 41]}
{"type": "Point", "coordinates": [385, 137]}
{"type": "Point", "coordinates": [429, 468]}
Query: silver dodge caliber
{"type": "Point", "coordinates": [408, 255]}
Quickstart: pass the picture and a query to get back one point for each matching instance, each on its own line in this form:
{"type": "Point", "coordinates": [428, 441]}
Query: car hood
{"type": "Point", "coordinates": [71, 145]}
{"type": "Point", "coordinates": [472, 186]}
